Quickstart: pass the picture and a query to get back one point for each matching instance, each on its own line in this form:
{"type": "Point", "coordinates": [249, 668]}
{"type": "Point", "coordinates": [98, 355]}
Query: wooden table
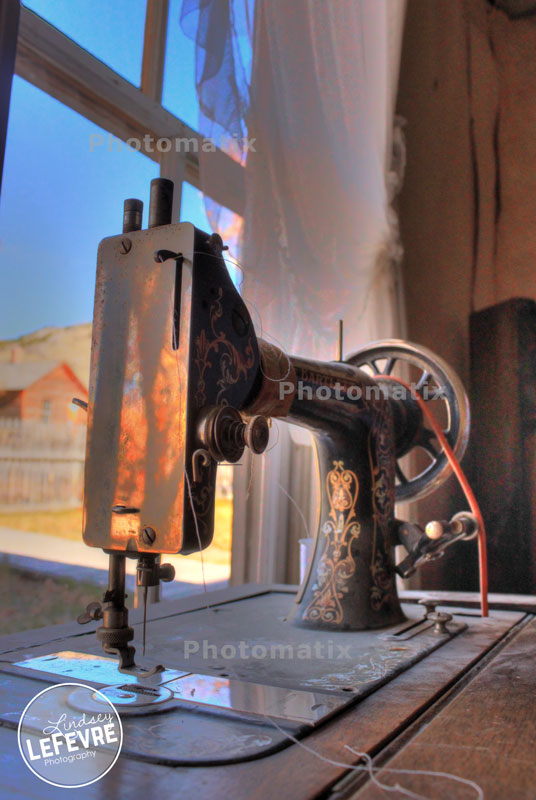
{"type": "Point", "coordinates": [468, 708]}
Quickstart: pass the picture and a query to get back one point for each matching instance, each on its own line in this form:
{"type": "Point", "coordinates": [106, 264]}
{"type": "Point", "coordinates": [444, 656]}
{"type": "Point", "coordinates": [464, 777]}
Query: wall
{"type": "Point", "coordinates": [58, 387]}
{"type": "Point", "coordinates": [468, 205]}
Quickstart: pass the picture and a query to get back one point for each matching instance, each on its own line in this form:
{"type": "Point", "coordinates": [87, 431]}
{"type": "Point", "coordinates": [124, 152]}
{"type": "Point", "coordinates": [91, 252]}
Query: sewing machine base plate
{"type": "Point", "coordinates": [232, 727]}
{"type": "Point", "coordinates": [236, 672]}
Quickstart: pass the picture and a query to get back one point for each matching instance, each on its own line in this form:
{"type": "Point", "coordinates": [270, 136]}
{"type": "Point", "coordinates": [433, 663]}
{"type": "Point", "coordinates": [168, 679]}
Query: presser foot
{"type": "Point", "coordinates": [115, 641]}
{"type": "Point", "coordinates": [125, 654]}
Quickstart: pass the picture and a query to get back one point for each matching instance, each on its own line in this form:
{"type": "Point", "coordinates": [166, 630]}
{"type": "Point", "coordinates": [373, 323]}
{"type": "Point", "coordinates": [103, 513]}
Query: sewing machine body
{"type": "Point", "coordinates": [180, 381]}
{"type": "Point", "coordinates": [161, 331]}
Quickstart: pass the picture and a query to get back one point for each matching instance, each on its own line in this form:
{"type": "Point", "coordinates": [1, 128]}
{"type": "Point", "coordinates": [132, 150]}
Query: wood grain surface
{"type": "Point", "coordinates": [293, 772]}
{"type": "Point", "coordinates": [487, 734]}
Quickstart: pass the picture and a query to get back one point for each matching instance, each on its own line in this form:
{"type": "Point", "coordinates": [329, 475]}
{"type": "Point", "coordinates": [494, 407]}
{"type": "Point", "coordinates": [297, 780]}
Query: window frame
{"type": "Point", "coordinates": [57, 65]}
{"type": "Point", "coordinates": [63, 69]}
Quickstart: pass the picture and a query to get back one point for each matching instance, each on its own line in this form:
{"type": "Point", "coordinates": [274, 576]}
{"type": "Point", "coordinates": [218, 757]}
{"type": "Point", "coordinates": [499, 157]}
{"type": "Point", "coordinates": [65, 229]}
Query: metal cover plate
{"type": "Point", "coordinates": [96, 669]}
{"type": "Point", "coordinates": [138, 392]}
{"type": "Point", "coordinates": [130, 698]}
{"type": "Point", "coordinates": [256, 699]}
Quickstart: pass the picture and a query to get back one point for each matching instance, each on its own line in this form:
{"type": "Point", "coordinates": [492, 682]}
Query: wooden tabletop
{"type": "Point", "coordinates": [468, 709]}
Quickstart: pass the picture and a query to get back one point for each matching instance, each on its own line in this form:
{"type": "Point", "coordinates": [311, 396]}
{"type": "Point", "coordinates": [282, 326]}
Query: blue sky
{"type": "Point", "coordinates": [59, 199]}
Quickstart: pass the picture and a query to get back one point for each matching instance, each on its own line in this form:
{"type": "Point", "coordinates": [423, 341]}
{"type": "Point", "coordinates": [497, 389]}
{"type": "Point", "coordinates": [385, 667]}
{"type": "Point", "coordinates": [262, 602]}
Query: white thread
{"type": "Point", "coordinates": [252, 462]}
{"type": "Point", "coordinates": [250, 305]}
{"type": "Point", "coordinates": [370, 769]}
{"type": "Point", "coordinates": [448, 775]}
{"type": "Point", "coordinates": [274, 422]}
{"type": "Point", "coordinates": [188, 484]}
{"type": "Point", "coordinates": [298, 509]}
{"type": "Point", "coordinates": [205, 591]}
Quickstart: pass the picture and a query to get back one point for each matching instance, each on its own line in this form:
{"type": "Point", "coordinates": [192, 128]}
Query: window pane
{"type": "Point", "coordinates": [64, 184]}
{"type": "Point", "coordinates": [193, 210]}
{"type": "Point", "coordinates": [111, 31]}
{"type": "Point", "coordinates": [62, 193]}
{"type": "Point", "coordinates": [179, 93]}
{"type": "Point", "coordinates": [63, 189]}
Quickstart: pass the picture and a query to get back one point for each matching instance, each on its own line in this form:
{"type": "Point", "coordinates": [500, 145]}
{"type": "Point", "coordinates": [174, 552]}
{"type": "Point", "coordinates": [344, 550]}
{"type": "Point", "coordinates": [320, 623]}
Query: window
{"type": "Point", "coordinates": [67, 170]}
{"type": "Point", "coordinates": [179, 92]}
{"type": "Point", "coordinates": [112, 32]}
{"type": "Point", "coordinates": [61, 194]}
{"type": "Point", "coordinates": [46, 411]}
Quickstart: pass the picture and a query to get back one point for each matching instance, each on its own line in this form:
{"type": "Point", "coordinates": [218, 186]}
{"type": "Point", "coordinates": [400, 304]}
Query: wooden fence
{"type": "Point", "coordinates": [41, 464]}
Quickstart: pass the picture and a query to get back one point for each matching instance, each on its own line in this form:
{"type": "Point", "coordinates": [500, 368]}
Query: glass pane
{"type": "Point", "coordinates": [193, 207]}
{"type": "Point", "coordinates": [112, 32]}
{"type": "Point", "coordinates": [64, 184]}
{"type": "Point", "coordinates": [63, 189]}
{"type": "Point", "coordinates": [179, 93]}
{"type": "Point", "coordinates": [193, 210]}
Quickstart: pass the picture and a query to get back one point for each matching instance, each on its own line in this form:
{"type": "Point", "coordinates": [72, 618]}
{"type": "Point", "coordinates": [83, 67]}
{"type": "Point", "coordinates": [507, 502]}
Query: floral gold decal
{"type": "Point", "coordinates": [337, 564]}
{"type": "Point", "coordinates": [233, 365]}
{"type": "Point", "coordinates": [382, 586]}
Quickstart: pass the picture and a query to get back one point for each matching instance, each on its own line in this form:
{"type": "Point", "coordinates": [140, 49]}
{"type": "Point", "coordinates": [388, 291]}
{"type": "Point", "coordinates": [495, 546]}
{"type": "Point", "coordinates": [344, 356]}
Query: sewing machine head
{"type": "Point", "coordinates": [180, 382]}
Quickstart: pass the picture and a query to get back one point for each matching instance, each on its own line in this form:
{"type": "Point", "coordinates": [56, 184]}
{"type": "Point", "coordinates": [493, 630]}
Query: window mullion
{"type": "Point", "coordinates": [154, 48]}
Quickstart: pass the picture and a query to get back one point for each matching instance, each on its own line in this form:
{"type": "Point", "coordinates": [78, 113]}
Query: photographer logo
{"type": "Point", "coordinates": [70, 735]}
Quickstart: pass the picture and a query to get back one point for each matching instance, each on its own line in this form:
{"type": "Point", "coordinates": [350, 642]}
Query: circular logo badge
{"type": "Point", "coordinates": [70, 735]}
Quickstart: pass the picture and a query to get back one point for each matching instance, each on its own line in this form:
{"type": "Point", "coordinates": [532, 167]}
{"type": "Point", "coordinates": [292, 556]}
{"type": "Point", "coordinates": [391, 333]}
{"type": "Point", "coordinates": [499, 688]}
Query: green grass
{"type": "Point", "coordinates": [67, 524]}
{"type": "Point", "coordinates": [31, 601]}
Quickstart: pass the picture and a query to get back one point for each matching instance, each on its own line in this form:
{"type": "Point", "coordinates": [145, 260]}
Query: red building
{"type": "Point", "coordinates": [41, 391]}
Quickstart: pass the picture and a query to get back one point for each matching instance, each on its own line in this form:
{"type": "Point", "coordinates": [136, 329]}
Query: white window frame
{"type": "Point", "coordinates": [51, 61]}
{"type": "Point", "coordinates": [54, 63]}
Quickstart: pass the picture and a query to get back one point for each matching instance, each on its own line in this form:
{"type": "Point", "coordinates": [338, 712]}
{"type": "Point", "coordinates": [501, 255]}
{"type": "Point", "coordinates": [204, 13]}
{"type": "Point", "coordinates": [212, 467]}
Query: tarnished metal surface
{"type": "Point", "coordinates": [138, 392]}
{"type": "Point", "coordinates": [350, 584]}
{"type": "Point", "coordinates": [171, 339]}
{"type": "Point", "coordinates": [256, 699]}
{"type": "Point", "coordinates": [343, 666]}
{"type": "Point", "coordinates": [93, 668]}
{"type": "Point", "coordinates": [139, 692]}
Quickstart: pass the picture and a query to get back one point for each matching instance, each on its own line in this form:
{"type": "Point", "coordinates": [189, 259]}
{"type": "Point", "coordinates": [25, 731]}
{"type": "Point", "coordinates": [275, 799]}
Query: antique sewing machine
{"type": "Point", "coordinates": [180, 383]}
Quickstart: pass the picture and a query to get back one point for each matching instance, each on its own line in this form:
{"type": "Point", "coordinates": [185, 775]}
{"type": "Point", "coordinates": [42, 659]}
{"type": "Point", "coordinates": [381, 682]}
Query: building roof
{"type": "Point", "coordinates": [15, 377]}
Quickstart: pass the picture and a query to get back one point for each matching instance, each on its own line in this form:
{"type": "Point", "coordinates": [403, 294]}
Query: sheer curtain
{"type": "Point", "coordinates": [312, 113]}
{"type": "Point", "coordinates": [320, 239]}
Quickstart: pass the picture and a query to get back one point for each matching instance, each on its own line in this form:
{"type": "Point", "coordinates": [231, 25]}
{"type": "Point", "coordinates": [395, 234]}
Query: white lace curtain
{"type": "Point", "coordinates": [312, 85]}
{"type": "Point", "coordinates": [320, 240]}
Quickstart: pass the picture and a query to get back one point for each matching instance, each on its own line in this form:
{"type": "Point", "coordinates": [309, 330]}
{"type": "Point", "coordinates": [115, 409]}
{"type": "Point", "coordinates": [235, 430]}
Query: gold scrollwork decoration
{"type": "Point", "coordinates": [234, 365]}
{"type": "Point", "coordinates": [337, 564]}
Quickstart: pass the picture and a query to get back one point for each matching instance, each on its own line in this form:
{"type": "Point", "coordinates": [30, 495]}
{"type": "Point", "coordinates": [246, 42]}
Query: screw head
{"type": "Point", "coordinates": [148, 536]}
{"type": "Point", "coordinates": [126, 246]}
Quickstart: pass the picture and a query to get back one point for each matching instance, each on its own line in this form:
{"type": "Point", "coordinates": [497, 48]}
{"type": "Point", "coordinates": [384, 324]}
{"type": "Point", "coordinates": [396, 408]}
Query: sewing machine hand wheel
{"type": "Point", "coordinates": [435, 380]}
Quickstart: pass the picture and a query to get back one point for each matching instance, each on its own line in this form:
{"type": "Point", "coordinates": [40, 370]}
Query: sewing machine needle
{"type": "Point", "coordinates": [144, 615]}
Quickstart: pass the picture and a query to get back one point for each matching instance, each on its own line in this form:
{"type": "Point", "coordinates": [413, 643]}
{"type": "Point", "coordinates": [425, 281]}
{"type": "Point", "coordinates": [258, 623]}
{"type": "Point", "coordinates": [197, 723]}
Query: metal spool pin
{"type": "Point", "coordinates": [161, 202]}
{"type": "Point", "coordinates": [132, 215]}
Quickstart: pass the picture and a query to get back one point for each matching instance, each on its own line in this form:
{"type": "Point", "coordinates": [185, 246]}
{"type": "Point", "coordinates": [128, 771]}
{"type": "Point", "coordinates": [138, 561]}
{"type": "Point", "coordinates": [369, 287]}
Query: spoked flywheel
{"type": "Point", "coordinates": [438, 384]}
